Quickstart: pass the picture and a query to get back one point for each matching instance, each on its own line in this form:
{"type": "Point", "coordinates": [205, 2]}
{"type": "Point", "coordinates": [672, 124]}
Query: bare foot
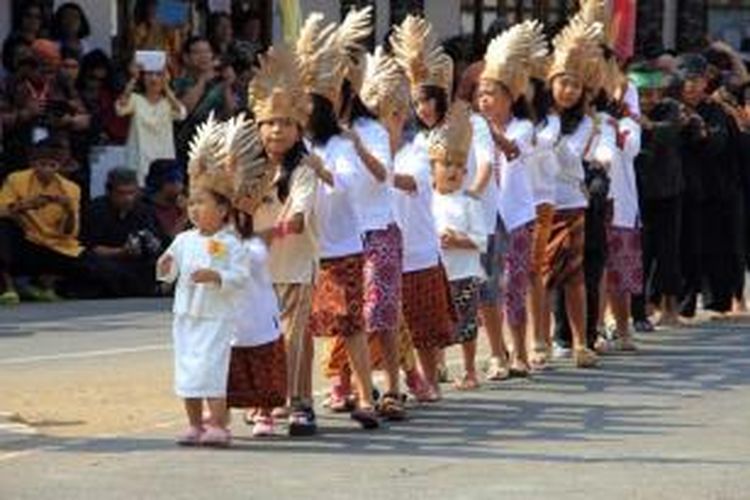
{"type": "Point", "coordinates": [669, 321]}
{"type": "Point", "coordinates": [468, 382]}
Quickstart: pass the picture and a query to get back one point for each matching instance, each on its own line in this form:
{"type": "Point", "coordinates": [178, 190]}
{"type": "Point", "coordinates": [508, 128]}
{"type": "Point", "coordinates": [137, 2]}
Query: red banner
{"type": "Point", "coordinates": [623, 27]}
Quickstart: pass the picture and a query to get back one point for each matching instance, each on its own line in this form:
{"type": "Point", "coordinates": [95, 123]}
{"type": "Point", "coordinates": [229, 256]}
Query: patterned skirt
{"type": "Point", "coordinates": [624, 264]}
{"type": "Point", "coordinates": [465, 293]}
{"type": "Point", "coordinates": [563, 261]}
{"type": "Point", "coordinates": [383, 251]}
{"type": "Point", "coordinates": [545, 215]}
{"type": "Point", "coordinates": [337, 299]}
{"type": "Point", "coordinates": [490, 291]}
{"type": "Point", "coordinates": [336, 360]}
{"type": "Point", "coordinates": [428, 308]}
{"type": "Point", "coordinates": [517, 274]}
{"type": "Point", "coordinates": [257, 376]}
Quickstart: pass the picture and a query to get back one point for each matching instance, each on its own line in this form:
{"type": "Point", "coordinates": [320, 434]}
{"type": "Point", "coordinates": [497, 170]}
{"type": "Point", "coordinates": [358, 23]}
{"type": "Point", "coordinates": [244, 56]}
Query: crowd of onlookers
{"type": "Point", "coordinates": [63, 101]}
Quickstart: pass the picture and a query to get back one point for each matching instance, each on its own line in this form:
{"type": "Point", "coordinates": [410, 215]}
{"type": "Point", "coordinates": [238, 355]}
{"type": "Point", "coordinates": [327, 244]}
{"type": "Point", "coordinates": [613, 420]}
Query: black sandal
{"type": "Point", "coordinates": [366, 418]}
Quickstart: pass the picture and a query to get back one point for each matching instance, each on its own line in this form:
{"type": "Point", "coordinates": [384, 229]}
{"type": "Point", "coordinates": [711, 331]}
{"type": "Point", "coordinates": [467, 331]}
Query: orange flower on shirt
{"type": "Point", "coordinates": [217, 249]}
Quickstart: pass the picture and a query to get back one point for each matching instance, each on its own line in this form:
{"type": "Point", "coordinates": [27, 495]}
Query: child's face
{"type": "Point", "coordinates": [426, 110]}
{"type": "Point", "coordinates": [153, 81]}
{"type": "Point", "coordinates": [279, 136]}
{"type": "Point", "coordinates": [449, 176]}
{"type": "Point", "coordinates": [206, 212]}
{"type": "Point", "coordinates": [494, 100]}
{"type": "Point", "coordinates": [566, 91]}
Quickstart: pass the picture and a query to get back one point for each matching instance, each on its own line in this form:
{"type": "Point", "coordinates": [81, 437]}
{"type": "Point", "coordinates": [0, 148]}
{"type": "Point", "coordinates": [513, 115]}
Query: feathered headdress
{"type": "Point", "coordinates": [599, 11]}
{"type": "Point", "coordinates": [384, 82]}
{"type": "Point", "coordinates": [321, 65]}
{"type": "Point", "coordinates": [451, 141]}
{"type": "Point", "coordinates": [511, 56]}
{"type": "Point", "coordinates": [353, 30]}
{"type": "Point", "coordinates": [417, 52]}
{"type": "Point", "coordinates": [326, 51]}
{"type": "Point", "coordinates": [577, 50]}
{"type": "Point", "coordinates": [228, 158]}
{"type": "Point", "coordinates": [276, 91]}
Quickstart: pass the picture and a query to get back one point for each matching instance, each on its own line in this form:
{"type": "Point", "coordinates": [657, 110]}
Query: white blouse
{"type": "Point", "coordinates": [517, 204]}
{"type": "Point", "coordinates": [622, 174]}
{"type": "Point", "coordinates": [256, 311]}
{"type": "Point", "coordinates": [570, 175]}
{"type": "Point", "coordinates": [414, 210]}
{"type": "Point", "coordinates": [483, 147]}
{"type": "Point", "coordinates": [374, 199]}
{"type": "Point", "coordinates": [461, 213]}
{"type": "Point", "coordinates": [221, 252]}
{"type": "Point", "coordinates": [293, 258]}
{"type": "Point", "coordinates": [542, 162]}
{"type": "Point", "coordinates": [338, 224]}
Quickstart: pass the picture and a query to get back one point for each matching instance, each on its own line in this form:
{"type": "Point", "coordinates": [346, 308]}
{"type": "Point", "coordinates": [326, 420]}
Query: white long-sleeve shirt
{"type": "Point", "coordinates": [414, 210]}
{"type": "Point", "coordinates": [570, 175]}
{"type": "Point", "coordinates": [463, 214]}
{"type": "Point", "coordinates": [339, 228]}
{"type": "Point", "coordinates": [484, 153]}
{"type": "Point", "coordinates": [373, 199]}
{"type": "Point", "coordinates": [517, 204]}
{"type": "Point", "coordinates": [623, 185]}
{"type": "Point", "coordinates": [221, 252]}
{"type": "Point", "coordinates": [542, 162]}
{"type": "Point", "coordinates": [256, 309]}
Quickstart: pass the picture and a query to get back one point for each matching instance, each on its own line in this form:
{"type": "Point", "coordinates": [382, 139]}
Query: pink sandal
{"type": "Point", "coordinates": [191, 437]}
{"type": "Point", "coordinates": [263, 427]}
{"type": "Point", "coordinates": [418, 386]}
{"type": "Point", "coordinates": [216, 437]}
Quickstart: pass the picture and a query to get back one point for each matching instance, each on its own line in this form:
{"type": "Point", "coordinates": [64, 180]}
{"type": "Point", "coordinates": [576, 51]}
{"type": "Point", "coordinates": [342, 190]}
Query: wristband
{"type": "Point", "coordinates": [280, 230]}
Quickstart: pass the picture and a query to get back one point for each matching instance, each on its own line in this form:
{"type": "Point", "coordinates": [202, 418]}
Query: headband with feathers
{"type": "Point", "coordinates": [450, 142]}
{"type": "Point", "coordinates": [422, 59]}
{"type": "Point", "coordinates": [228, 158]}
{"type": "Point", "coordinates": [577, 50]}
{"type": "Point", "coordinates": [512, 56]}
{"type": "Point", "coordinates": [327, 51]}
{"type": "Point", "coordinates": [384, 82]}
{"type": "Point", "coordinates": [276, 90]}
{"type": "Point", "coordinates": [353, 30]}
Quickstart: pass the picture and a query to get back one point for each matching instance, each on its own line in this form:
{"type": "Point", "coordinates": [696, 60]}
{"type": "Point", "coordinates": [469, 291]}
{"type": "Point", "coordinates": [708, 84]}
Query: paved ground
{"type": "Point", "coordinates": [86, 412]}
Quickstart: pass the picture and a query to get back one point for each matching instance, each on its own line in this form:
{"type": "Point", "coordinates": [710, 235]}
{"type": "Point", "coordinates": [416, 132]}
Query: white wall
{"type": "Point", "coordinates": [445, 16]}
{"type": "Point", "coordinates": [329, 8]}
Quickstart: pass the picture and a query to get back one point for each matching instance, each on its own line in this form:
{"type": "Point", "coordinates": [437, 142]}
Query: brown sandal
{"type": "Point", "coordinates": [585, 358]}
{"type": "Point", "coordinates": [391, 408]}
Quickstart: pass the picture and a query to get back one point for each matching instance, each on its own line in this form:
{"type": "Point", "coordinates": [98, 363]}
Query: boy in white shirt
{"type": "Point", "coordinates": [459, 221]}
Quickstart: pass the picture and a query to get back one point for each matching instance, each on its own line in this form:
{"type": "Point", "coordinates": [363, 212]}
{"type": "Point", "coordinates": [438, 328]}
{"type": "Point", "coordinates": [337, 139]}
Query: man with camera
{"type": "Point", "coordinates": [121, 232]}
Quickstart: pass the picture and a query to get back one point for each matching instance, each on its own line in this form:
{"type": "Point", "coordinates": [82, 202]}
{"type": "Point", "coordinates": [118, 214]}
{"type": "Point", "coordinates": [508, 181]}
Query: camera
{"type": "Point", "coordinates": [145, 243]}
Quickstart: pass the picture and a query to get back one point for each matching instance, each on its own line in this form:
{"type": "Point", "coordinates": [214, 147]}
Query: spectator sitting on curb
{"type": "Point", "coordinates": [121, 231]}
{"type": "Point", "coordinates": [39, 221]}
{"type": "Point", "coordinates": [165, 187]}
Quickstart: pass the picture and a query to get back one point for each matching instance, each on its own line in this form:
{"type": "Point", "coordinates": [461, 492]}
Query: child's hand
{"type": "Point", "coordinates": [202, 276]}
{"type": "Point", "coordinates": [165, 265]}
{"type": "Point", "coordinates": [448, 239]}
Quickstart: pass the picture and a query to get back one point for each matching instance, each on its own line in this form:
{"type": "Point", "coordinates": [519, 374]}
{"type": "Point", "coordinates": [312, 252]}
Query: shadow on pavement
{"type": "Point", "coordinates": [630, 396]}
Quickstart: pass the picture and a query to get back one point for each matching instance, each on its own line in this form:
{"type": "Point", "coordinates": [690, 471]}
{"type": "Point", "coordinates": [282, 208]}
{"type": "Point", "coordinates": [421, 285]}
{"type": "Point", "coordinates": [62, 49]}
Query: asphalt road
{"type": "Point", "coordinates": [86, 411]}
